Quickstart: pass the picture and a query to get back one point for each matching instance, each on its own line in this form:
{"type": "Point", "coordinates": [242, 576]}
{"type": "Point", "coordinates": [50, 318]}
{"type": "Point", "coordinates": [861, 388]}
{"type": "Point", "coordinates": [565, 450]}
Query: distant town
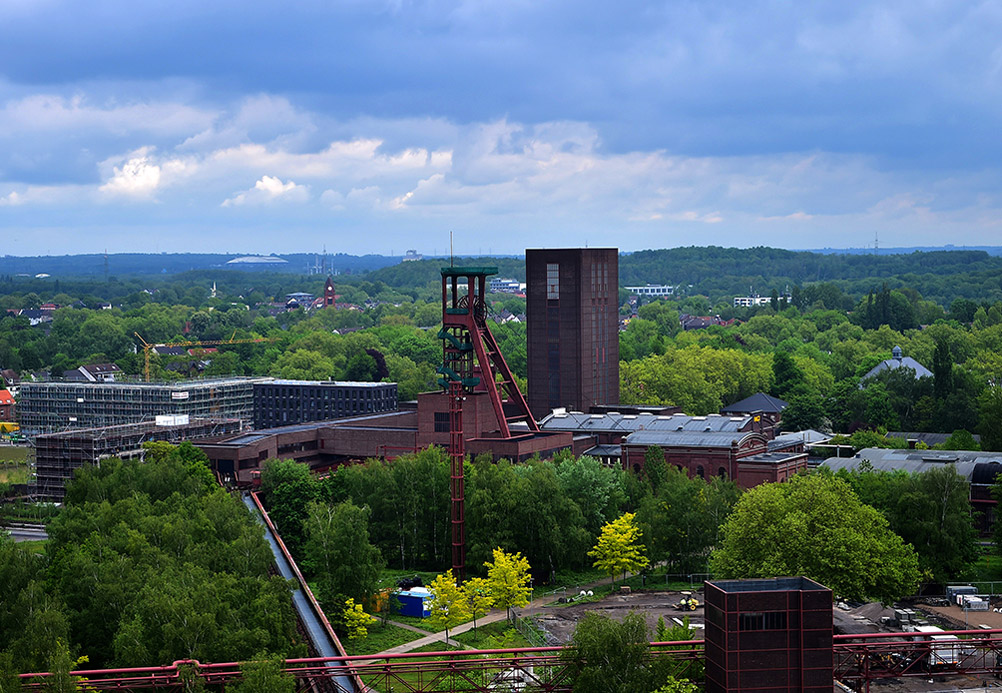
{"type": "Point", "coordinates": [491, 453]}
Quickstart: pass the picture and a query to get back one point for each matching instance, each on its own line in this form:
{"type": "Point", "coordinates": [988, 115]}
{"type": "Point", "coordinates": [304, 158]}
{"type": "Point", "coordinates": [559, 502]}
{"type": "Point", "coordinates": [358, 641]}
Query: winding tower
{"type": "Point", "coordinates": [472, 362]}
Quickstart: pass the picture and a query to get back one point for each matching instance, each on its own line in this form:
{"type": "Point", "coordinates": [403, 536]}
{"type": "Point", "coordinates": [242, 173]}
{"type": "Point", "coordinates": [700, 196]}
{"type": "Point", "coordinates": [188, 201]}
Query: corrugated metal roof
{"type": "Point", "coordinates": [915, 461]}
{"type": "Point", "coordinates": [628, 423]}
{"type": "Point", "coordinates": [684, 438]}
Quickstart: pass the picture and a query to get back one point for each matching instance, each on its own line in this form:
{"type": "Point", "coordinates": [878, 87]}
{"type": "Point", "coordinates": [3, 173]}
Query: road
{"type": "Point", "coordinates": [26, 532]}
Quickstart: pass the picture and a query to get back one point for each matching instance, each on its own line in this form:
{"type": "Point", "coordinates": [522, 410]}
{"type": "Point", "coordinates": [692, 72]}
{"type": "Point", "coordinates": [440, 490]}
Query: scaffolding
{"type": "Point", "coordinates": [58, 454]}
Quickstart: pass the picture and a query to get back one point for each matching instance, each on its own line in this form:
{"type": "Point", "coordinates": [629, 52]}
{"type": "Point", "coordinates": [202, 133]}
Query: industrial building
{"type": "Point", "coordinates": [58, 454]}
{"type": "Point", "coordinates": [572, 306]}
{"type": "Point", "coordinates": [290, 402]}
{"type": "Point", "coordinates": [732, 447]}
{"type": "Point", "coordinates": [980, 469]}
{"type": "Point", "coordinates": [58, 406]}
{"type": "Point", "coordinates": [774, 634]}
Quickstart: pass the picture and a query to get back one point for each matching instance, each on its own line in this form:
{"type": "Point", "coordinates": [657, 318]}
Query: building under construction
{"type": "Point", "coordinates": [58, 454]}
{"type": "Point", "coordinates": [60, 406]}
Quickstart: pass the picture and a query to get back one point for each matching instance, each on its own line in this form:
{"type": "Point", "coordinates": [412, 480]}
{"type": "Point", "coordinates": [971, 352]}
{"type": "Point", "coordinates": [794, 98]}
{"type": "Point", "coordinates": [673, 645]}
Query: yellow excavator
{"type": "Point", "coordinates": [687, 602]}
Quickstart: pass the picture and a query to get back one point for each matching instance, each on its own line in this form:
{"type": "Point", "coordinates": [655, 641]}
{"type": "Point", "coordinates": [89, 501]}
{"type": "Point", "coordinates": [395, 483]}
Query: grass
{"type": "Point", "coordinates": [34, 546]}
{"type": "Point", "coordinates": [421, 623]}
{"type": "Point", "coordinates": [381, 637]}
{"type": "Point", "coordinates": [14, 474]}
{"type": "Point", "coordinates": [493, 636]}
{"type": "Point", "coordinates": [13, 453]}
{"type": "Point", "coordinates": [988, 568]}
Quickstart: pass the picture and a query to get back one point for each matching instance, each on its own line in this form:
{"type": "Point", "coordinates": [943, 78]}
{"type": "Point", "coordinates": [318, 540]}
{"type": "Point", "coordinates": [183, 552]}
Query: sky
{"type": "Point", "coordinates": [371, 126]}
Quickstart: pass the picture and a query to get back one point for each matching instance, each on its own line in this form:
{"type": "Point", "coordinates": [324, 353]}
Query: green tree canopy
{"type": "Point", "coordinates": [816, 526]}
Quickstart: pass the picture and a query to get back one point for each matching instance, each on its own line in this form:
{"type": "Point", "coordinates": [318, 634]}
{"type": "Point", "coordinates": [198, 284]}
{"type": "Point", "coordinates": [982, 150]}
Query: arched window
{"type": "Point", "coordinates": [722, 473]}
{"type": "Point", "coordinates": [699, 472]}
{"type": "Point", "coordinates": [636, 469]}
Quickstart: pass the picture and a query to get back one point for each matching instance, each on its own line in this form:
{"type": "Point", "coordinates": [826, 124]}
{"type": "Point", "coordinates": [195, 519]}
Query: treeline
{"type": "Point", "coordinates": [551, 511]}
{"type": "Point", "coordinates": [147, 563]}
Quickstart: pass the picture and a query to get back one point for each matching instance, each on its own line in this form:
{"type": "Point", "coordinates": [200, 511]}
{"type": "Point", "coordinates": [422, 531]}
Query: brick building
{"type": "Point", "coordinates": [572, 309]}
{"type": "Point", "coordinates": [772, 635]}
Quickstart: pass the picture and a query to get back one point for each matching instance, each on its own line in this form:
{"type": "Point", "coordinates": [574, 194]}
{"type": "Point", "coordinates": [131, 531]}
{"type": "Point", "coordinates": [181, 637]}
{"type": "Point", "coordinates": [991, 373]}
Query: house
{"type": "Point", "coordinates": [898, 360]}
{"type": "Point", "coordinates": [93, 373]}
{"type": "Point", "coordinates": [766, 410]}
{"type": "Point", "coordinates": [6, 406]}
{"type": "Point", "coordinates": [11, 380]}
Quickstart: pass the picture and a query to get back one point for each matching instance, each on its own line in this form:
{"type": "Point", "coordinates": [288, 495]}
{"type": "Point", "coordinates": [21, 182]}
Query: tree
{"type": "Point", "coordinates": [356, 621]}
{"type": "Point", "coordinates": [816, 526]}
{"type": "Point", "coordinates": [675, 685]}
{"type": "Point", "coordinates": [614, 657]}
{"type": "Point", "coordinates": [448, 604]}
{"type": "Point", "coordinates": [654, 466]}
{"type": "Point", "coordinates": [479, 599]}
{"type": "Point", "coordinates": [288, 489]}
{"type": "Point", "coordinates": [339, 553]}
{"type": "Point", "coordinates": [264, 675]}
{"type": "Point", "coordinates": [508, 579]}
{"type": "Point", "coordinates": [619, 547]}
{"type": "Point", "coordinates": [990, 419]}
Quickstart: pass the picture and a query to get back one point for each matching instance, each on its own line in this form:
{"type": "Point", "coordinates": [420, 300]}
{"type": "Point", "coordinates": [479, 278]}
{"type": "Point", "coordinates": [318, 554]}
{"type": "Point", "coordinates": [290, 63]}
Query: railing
{"type": "Point", "coordinates": [544, 669]}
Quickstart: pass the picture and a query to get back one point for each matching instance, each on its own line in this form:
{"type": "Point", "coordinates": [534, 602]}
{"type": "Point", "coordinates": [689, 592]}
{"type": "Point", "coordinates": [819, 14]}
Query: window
{"type": "Point", "coordinates": [442, 424]}
{"type": "Point", "coordinates": [699, 472]}
{"type": "Point", "coordinates": [722, 473]}
{"type": "Point", "coordinates": [552, 281]}
{"type": "Point", "coordinates": [768, 620]}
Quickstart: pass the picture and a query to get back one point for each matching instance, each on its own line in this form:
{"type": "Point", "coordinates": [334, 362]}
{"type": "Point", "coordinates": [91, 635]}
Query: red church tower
{"type": "Point", "coordinates": [330, 299]}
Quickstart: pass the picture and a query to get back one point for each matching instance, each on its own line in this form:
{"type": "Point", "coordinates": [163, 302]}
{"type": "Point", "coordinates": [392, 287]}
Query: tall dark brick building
{"type": "Point", "coordinates": [573, 328]}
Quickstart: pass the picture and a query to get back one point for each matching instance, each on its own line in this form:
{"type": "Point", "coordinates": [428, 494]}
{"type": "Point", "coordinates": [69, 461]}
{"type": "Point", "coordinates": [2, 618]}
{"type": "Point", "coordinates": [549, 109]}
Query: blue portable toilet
{"type": "Point", "coordinates": [414, 602]}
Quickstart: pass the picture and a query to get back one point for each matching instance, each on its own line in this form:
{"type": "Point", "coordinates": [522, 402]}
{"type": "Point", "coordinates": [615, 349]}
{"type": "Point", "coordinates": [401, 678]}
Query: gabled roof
{"type": "Point", "coordinates": [6, 398]}
{"type": "Point", "coordinates": [757, 402]}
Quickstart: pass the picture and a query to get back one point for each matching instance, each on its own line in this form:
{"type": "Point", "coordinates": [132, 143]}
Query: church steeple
{"type": "Point", "coordinates": [330, 299]}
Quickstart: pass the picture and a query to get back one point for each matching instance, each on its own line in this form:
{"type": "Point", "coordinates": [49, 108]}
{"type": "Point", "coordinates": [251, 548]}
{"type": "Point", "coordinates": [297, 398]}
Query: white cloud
{"type": "Point", "coordinates": [138, 177]}
{"type": "Point", "coordinates": [269, 189]}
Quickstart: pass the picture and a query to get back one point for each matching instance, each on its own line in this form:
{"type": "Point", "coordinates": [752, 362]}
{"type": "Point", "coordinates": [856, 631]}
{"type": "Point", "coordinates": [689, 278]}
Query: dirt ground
{"type": "Point", "coordinates": [560, 619]}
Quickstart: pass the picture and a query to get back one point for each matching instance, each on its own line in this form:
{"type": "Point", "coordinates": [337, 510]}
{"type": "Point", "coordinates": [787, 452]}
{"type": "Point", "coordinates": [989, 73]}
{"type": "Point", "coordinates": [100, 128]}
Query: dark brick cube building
{"type": "Point", "coordinates": [769, 636]}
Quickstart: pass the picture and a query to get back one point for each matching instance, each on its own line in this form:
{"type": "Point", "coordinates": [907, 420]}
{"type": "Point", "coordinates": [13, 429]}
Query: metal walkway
{"type": "Point", "coordinates": [324, 641]}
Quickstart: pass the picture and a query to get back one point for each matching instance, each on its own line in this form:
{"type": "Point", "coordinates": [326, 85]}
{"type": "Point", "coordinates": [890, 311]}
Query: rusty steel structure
{"type": "Point", "coordinates": [862, 659]}
{"type": "Point", "coordinates": [472, 362]}
{"type": "Point", "coordinates": [543, 669]}
{"type": "Point", "coordinates": [859, 661]}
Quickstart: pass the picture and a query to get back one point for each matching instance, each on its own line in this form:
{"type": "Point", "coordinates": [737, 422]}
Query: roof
{"type": "Point", "coordinates": [689, 439]}
{"type": "Point", "coordinates": [604, 451]}
{"type": "Point", "coordinates": [916, 461]}
{"type": "Point", "coordinates": [6, 397]}
{"type": "Point", "coordinates": [170, 350]}
{"type": "Point", "coordinates": [929, 439]}
{"type": "Point", "coordinates": [98, 368]}
{"type": "Point", "coordinates": [757, 402]}
{"type": "Point", "coordinates": [808, 437]}
{"type": "Point", "coordinates": [614, 422]}
{"type": "Point", "coordinates": [466, 271]}
{"type": "Point", "coordinates": [329, 383]}
{"type": "Point", "coordinates": [898, 360]}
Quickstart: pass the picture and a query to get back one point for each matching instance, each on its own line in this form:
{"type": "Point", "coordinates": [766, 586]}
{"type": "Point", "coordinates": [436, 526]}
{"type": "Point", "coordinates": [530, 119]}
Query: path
{"type": "Point", "coordinates": [493, 617]}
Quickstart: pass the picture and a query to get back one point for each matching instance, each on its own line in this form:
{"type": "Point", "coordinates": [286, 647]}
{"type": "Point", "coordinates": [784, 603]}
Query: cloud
{"type": "Point", "coordinates": [269, 189]}
{"type": "Point", "coordinates": [138, 177]}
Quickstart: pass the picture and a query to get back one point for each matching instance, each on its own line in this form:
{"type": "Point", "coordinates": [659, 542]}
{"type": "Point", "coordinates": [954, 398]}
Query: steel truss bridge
{"type": "Point", "coordinates": [858, 661]}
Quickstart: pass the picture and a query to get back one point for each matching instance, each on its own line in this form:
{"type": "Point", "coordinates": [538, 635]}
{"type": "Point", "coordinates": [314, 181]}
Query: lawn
{"type": "Point", "coordinates": [499, 635]}
{"type": "Point", "coordinates": [381, 637]}
{"type": "Point", "coordinates": [35, 545]}
{"type": "Point", "coordinates": [14, 473]}
{"type": "Point", "coordinates": [13, 453]}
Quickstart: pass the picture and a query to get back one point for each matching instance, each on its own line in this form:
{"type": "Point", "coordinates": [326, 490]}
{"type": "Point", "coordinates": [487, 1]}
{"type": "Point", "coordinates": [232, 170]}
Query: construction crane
{"type": "Point", "coordinates": [147, 347]}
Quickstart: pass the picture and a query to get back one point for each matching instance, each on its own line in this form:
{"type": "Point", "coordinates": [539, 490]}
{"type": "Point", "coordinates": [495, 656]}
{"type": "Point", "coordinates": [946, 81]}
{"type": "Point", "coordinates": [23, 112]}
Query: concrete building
{"type": "Point", "coordinates": [573, 328]}
{"type": "Point", "coordinates": [58, 454]}
{"type": "Point", "coordinates": [769, 635]}
{"type": "Point", "coordinates": [289, 402]}
{"type": "Point", "coordinates": [653, 290]}
{"type": "Point", "coordinates": [56, 406]}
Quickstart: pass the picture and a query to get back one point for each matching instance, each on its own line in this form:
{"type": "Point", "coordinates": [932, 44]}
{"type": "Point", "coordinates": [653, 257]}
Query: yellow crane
{"type": "Point", "coordinates": [147, 347]}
